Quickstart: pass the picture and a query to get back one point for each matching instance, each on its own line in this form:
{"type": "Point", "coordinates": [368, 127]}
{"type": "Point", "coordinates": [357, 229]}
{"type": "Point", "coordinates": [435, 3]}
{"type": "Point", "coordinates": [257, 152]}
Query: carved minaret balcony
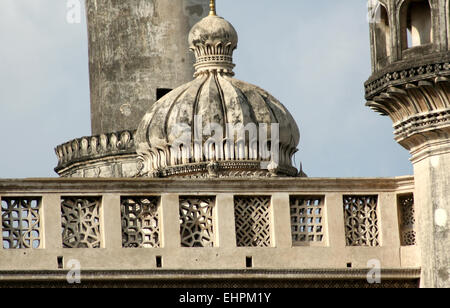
{"type": "Point", "coordinates": [411, 84]}
{"type": "Point", "coordinates": [411, 73]}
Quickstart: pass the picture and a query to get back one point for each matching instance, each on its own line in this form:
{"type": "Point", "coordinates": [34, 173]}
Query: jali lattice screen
{"type": "Point", "coordinates": [252, 218]}
{"type": "Point", "coordinates": [407, 220]}
{"type": "Point", "coordinates": [140, 222]}
{"type": "Point", "coordinates": [81, 222]}
{"type": "Point", "coordinates": [196, 221]}
{"type": "Point", "coordinates": [307, 220]}
{"type": "Point", "coordinates": [21, 223]}
{"type": "Point", "coordinates": [361, 220]}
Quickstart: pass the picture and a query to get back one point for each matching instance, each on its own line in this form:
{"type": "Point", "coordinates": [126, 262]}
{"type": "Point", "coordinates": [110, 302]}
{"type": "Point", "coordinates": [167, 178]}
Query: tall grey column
{"type": "Point", "coordinates": [135, 48]}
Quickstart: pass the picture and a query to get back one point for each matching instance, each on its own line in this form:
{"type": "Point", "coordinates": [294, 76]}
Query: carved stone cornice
{"type": "Point", "coordinates": [420, 111]}
{"type": "Point", "coordinates": [226, 185]}
{"type": "Point", "coordinates": [404, 72]}
{"type": "Point", "coordinates": [101, 275]}
{"type": "Point", "coordinates": [95, 148]}
{"type": "Point", "coordinates": [426, 143]}
{"type": "Point", "coordinates": [222, 169]}
{"type": "Point", "coordinates": [423, 124]}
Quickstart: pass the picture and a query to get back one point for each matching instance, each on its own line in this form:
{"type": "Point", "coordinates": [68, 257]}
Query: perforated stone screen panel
{"type": "Point", "coordinates": [21, 222]}
{"type": "Point", "coordinates": [307, 220]}
{"type": "Point", "coordinates": [140, 222]}
{"type": "Point", "coordinates": [252, 218]}
{"type": "Point", "coordinates": [81, 222]}
{"type": "Point", "coordinates": [407, 220]}
{"type": "Point", "coordinates": [197, 221]}
{"type": "Point", "coordinates": [361, 220]}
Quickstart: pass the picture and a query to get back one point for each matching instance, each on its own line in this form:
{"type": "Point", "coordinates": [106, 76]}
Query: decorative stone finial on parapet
{"type": "Point", "coordinates": [301, 173]}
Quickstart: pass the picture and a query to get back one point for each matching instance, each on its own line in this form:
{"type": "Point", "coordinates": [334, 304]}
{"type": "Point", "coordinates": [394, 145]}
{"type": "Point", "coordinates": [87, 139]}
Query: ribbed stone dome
{"type": "Point", "coordinates": [217, 125]}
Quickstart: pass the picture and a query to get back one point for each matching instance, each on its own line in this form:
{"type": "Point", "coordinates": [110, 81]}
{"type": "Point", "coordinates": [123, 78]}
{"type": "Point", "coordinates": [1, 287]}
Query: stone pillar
{"type": "Point", "coordinates": [281, 218]}
{"type": "Point", "coordinates": [413, 90]}
{"type": "Point", "coordinates": [432, 202]}
{"type": "Point", "coordinates": [226, 227]}
{"type": "Point", "coordinates": [135, 48]}
{"type": "Point", "coordinates": [170, 222]}
{"type": "Point", "coordinates": [112, 234]}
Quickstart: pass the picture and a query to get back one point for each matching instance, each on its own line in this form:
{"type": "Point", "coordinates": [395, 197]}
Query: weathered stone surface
{"type": "Point", "coordinates": [201, 279]}
{"type": "Point", "coordinates": [281, 261]}
{"type": "Point", "coordinates": [433, 200]}
{"type": "Point", "coordinates": [104, 156]}
{"type": "Point", "coordinates": [237, 118]}
{"type": "Point", "coordinates": [411, 85]}
{"type": "Point", "coordinates": [136, 47]}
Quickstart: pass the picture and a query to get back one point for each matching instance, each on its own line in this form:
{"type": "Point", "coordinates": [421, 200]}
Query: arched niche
{"type": "Point", "coordinates": [416, 23]}
{"type": "Point", "coordinates": [382, 35]}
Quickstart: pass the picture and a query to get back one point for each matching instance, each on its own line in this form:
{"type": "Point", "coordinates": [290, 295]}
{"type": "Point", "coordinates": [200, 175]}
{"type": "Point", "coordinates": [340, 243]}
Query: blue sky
{"type": "Point", "coordinates": [312, 55]}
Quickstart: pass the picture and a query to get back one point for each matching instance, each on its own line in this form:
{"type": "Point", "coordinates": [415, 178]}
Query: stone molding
{"type": "Point", "coordinates": [425, 135]}
{"type": "Point", "coordinates": [226, 185]}
{"type": "Point", "coordinates": [406, 72]}
{"type": "Point", "coordinates": [222, 169]}
{"type": "Point", "coordinates": [114, 275]}
{"type": "Point", "coordinates": [420, 112]}
{"type": "Point", "coordinates": [419, 123]}
{"type": "Point", "coordinates": [94, 148]}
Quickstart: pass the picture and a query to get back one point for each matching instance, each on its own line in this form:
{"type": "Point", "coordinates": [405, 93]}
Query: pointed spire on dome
{"type": "Point", "coordinates": [212, 6]}
{"type": "Point", "coordinates": [213, 41]}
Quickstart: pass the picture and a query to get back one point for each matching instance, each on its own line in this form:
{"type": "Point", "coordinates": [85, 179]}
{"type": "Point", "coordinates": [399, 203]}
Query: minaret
{"type": "Point", "coordinates": [138, 51]}
{"type": "Point", "coordinates": [411, 84]}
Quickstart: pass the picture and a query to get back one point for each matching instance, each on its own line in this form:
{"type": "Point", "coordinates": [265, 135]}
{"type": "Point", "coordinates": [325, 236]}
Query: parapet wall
{"type": "Point", "coordinates": [101, 156]}
{"type": "Point", "coordinates": [293, 228]}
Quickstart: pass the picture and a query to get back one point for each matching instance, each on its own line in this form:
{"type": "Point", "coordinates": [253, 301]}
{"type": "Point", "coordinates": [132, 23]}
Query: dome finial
{"type": "Point", "coordinates": [212, 6]}
{"type": "Point", "coordinates": [213, 40]}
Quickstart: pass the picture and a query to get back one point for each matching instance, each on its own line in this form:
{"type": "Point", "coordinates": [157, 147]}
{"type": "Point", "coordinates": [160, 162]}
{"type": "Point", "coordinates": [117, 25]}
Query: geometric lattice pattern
{"type": "Point", "coordinates": [197, 221]}
{"type": "Point", "coordinates": [21, 223]}
{"type": "Point", "coordinates": [140, 222]}
{"type": "Point", "coordinates": [361, 220]}
{"type": "Point", "coordinates": [252, 217]}
{"type": "Point", "coordinates": [81, 222]}
{"type": "Point", "coordinates": [407, 220]}
{"type": "Point", "coordinates": [307, 223]}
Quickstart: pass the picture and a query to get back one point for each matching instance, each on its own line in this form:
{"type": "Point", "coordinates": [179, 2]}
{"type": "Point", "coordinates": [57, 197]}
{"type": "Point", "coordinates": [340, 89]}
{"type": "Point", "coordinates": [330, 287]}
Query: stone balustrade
{"type": "Point", "coordinates": [105, 155]}
{"type": "Point", "coordinates": [319, 225]}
